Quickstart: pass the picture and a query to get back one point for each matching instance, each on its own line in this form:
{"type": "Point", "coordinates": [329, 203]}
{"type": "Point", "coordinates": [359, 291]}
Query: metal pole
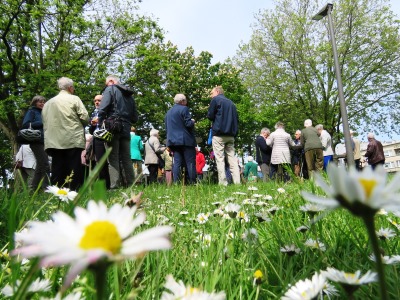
{"type": "Point", "coordinates": [343, 110]}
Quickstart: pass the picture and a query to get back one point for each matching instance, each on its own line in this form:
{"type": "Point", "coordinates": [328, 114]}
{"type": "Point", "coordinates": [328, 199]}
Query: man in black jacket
{"type": "Point", "coordinates": [263, 153]}
{"type": "Point", "coordinates": [118, 102]}
{"type": "Point", "coordinates": [223, 114]}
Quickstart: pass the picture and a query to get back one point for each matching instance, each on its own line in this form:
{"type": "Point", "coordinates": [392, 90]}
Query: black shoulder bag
{"type": "Point", "coordinates": [113, 123]}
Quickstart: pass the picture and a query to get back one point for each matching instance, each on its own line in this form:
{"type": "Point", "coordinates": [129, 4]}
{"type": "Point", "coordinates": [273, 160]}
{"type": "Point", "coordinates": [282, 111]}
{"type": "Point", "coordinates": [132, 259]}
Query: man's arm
{"type": "Point", "coordinates": [212, 110]}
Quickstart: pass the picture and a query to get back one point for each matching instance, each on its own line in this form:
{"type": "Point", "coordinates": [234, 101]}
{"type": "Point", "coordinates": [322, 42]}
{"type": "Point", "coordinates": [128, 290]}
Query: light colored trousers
{"type": "Point", "coordinates": [224, 148]}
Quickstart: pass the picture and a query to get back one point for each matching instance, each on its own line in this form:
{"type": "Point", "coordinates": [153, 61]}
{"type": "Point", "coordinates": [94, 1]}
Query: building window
{"type": "Point", "coordinates": [398, 163]}
{"type": "Point", "coordinates": [397, 151]}
{"type": "Point", "coordinates": [389, 165]}
{"type": "Point", "coordinates": [387, 153]}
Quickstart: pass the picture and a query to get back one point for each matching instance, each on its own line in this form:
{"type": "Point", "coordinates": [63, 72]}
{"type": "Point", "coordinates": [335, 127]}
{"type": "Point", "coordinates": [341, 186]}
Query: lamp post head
{"type": "Point", "coordinates": [323, 12]}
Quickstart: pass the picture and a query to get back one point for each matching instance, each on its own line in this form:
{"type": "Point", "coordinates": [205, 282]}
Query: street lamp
{"type": "Point", "coordinates": [327, 11]}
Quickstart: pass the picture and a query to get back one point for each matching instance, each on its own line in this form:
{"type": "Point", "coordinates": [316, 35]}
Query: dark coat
{"type": "Point", "coordinates": [118, 101]}
{"type": "Point", "coordinates": [374, 152]}
{"type": "Point", "coordinates": [263, 151]}
{"type": "Point", "coordinates": [34, 117]}
{"type": "Point", "coordinates": [222, 112]}
{"type": "Point", "coordinates": [179, 127]}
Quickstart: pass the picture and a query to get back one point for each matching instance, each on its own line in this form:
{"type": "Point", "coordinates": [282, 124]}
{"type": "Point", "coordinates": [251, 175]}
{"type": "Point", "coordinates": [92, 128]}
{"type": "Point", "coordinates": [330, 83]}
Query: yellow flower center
{"type": "Point", "coordinates": [258, 274]}
{"type": "Point", "coordinates": [191, 291]}
{"type": "Point", "coordinates": [62, 192]}
{"type": "Point", "coordinates": [350, 276]}
{"type": "Point", "coordinates": [368, 185]}
{"type": "Point", "coordinates": [101, 234]}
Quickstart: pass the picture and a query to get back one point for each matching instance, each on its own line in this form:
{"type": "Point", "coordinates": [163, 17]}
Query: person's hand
{"type": "Point", "coordinates": [193, 121]}
{"type": "Point", "coordinates": [95, 121]}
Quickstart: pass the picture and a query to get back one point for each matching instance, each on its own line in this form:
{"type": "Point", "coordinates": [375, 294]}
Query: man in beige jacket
{"type": "Point", "coordinates": [64, 119]}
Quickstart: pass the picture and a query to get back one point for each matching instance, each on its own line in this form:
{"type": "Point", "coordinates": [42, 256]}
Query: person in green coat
{"type": "Point", "coordinates": [250, 169]}
{"type": "Point", "coordinates": [136, 153]}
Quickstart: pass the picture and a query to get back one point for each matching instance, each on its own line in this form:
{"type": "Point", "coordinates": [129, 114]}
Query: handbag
{"type": "Point", "coordinates": [113, 124]}
{"type": "Point", "coordinates": [30, 134]}
{"type": "Point", "coordinates": [209, 140]}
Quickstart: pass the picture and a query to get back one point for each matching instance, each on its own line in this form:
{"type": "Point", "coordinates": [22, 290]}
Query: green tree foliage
{"type": "Point", "coordinates": [41, 41]}
{"type": "Point", "coordinates": [161, 71]}
{"type": "Point", "coordinates": [288, 64]}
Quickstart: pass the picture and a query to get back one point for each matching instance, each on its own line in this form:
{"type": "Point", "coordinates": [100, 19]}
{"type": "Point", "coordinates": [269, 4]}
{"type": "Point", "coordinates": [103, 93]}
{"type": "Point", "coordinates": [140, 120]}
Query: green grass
{"type": "Point", "coordinates": [226, 263]}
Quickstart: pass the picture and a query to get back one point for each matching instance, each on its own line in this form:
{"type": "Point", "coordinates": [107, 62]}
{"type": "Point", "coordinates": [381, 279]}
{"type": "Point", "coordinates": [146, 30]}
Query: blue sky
{"type": "Point", "coordinates": [216, 26]}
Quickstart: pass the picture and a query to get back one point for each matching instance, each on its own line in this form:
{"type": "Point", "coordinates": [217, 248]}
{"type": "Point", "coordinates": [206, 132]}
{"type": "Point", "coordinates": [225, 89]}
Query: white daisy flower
{"type": "Point", "coordinates": [35, 286]}
{"type": "Point", "coordinates": [290, 250]}
{"type": "Point", "coordinates": [394, 223]}
{"type": "Point", "coordinates": [350, 278]}
{"type": "Point", "coordinates": [387, 260]}
{"type": "Point", "coordinates": [385, 233]}
{"type": "Point", "coordinates": [307, 289]}
{"type": "Point", "coordinates": [281, 190]}
{"type": "Point", "coordinates": [243, 216]}
{"type": "Point", "coordinates": [232, 209]}
{"type": "Point", "coordinates": [302, 228]}
{"type": "Point", "coordinates": [257, 195]}
{"type": "Point", "coordinates": [252, 188]}
{"type": "Point", "coordinates": [96, 233]}
{"type": "Point", "coordinates": [248, 201]}
{"type": "Point", "coordinates": [218, 212]}
{"type": "Point", "coordinates": [262, 217]}
{"type": "Point", "coordinates": [64, 194]}
{"type": "Point", "coordinates": [272, 210]}
{"type": "Point", "coordinates": [315, 244]}
{"type": "Point", "coordinates": [184, 212]}
{"type": "Point", "coordinates": [261, 203]}
{"type": "Point", "coordinates": [267, 197]}
{"type": "Point", "coordinates": [239, 193]}
{"type": "Point", "coordinates": [359, 192]}
{"type": "Point", "coordinates": [202, 218]}
{"type": "Point", "coordinates": [313, 208]}
{"type": "Point", "coordinates": [180, 291]}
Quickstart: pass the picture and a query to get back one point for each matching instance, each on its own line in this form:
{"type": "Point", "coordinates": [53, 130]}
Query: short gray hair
{"type": "Point", "coordinates": [154, 132]}
{"type": "Point", "coordinates": [179, 98]}
{"type": "Point", "coordinates": [307, 123]}
{"type": "Point", "coordinates": [371, 135]}
{"type": "Point", "coordinates": [113, 78]}
{"type": "Point", "coordinates": [64, 83]}
{"type": "Point", "coordinates": [265, 130]}
{"type": "Point", "coordinates": [279, 125]}
{"type": "Point", "coordinates": [250, 158]}
{"type": "Point", "coordinates": [298, 131]}
{"type": "Point", "coordinates": [319, 126]}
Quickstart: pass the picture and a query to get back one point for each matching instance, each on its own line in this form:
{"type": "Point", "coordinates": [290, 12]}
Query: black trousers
{"type": "Point", "coordinates": [64, 161]}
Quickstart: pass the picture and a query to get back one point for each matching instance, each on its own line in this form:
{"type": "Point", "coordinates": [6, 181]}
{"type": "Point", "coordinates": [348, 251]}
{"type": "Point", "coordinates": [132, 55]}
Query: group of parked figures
{"type": "Point", "coordinates": [74, 151]}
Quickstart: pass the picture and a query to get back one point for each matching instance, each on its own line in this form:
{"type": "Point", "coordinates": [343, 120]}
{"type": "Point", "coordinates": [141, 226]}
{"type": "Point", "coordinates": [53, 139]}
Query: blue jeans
{"type": "Point", "coordinates": [184, 156]}
{"type": "Point", "coordinates": [120, 153]}
{"type": "Point", "coordinates": [327, 160]}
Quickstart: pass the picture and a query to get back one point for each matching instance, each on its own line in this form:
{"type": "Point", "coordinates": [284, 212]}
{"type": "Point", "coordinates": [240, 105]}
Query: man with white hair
{"type": "Point", "coordinates": [64, 118]}
{"type": "Point", "coordinates": [312, 148]}
{"type": "Point", "coordinates": [374, 152]}
{"type": "Point", "coordinates": [180, 139]}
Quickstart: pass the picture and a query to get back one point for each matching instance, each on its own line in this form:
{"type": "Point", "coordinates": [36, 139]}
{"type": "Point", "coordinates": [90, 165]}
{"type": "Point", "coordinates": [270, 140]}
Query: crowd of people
{"type": "Point", "coordinates": [68, 136]}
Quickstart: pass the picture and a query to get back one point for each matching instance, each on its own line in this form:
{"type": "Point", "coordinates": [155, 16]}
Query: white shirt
{"type": "Point", "coordinates": [27, 157]}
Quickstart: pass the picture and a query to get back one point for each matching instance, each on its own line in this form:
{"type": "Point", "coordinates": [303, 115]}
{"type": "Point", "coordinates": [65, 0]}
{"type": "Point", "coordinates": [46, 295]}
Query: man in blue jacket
{"type": "Point", "coordinates": [180, 139]}
{"type": "Point", "coordinates": [223, 114]}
